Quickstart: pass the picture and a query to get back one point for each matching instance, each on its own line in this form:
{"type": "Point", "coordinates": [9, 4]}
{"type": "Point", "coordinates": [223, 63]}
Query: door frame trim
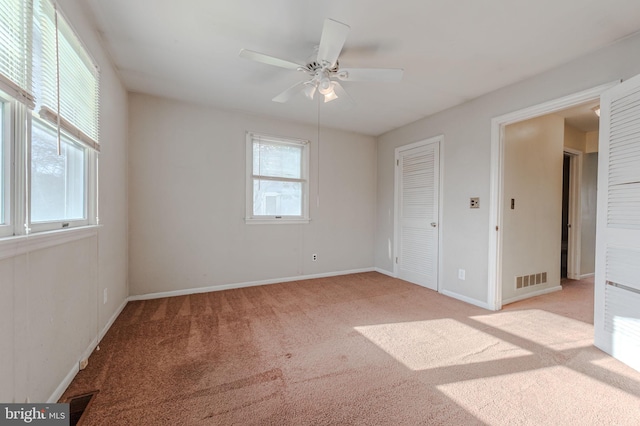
{"type": "Point", "coordinates": [494, 292]}
{"type": "Point", "coordinates": [439, 140]}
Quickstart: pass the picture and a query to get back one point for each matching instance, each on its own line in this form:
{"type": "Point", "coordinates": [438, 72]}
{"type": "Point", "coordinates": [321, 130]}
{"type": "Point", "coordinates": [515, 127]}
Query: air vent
{"type": "Point", "coordinates": [78, 405]}
{"type": "Point", "coordinates": [531, 280]}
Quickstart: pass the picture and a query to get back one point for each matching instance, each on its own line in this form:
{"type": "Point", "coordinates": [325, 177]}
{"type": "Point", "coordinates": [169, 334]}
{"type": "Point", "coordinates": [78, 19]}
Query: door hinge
{"type": "Point", "coordinates": [496, 228]}
{"type": "Point", "coordinates": [396, 260]}
{"type": "Point", "coordinates": [397, 162]}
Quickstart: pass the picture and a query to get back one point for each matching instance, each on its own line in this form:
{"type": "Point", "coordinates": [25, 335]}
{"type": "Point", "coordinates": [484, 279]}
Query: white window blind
{"type": "Point", "coordinates": [69, 80]}
{"type": "Point", "coordinates": [15, 54]}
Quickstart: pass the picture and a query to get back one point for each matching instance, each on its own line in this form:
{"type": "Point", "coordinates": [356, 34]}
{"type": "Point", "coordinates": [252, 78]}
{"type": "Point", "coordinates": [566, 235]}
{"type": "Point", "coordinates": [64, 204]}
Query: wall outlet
{"type": "Point", "coordinates": [462, 274]}
{"type": "Point", "coordinates": [474, 202]}
{"type": "Point", "coordinates": [314, 257]}
{"type": "Point", "coordinates": [105, 296]}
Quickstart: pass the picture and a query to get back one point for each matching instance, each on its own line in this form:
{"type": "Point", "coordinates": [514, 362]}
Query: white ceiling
{"type": "Point", "coordinates": [451, 51]}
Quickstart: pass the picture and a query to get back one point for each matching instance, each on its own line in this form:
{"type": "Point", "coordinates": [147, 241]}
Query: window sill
{"type": "Point", "coordinates": [21, 244]}
{"type": "Point", "coordinates": [283, 221]}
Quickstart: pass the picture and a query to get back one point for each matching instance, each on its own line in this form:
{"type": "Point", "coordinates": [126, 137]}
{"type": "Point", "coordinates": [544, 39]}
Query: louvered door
{"type": "Point", "coordinates": [417, 254]}
{"type": "Point", "coordinates": [617, 291]}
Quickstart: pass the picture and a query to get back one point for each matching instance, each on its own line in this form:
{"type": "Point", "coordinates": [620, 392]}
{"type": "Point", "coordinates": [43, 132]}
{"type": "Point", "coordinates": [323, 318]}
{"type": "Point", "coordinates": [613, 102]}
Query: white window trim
{"type": "Point", "coordinates": [250, 218]}
{"type": "Point", "coordinates": [22, 244]}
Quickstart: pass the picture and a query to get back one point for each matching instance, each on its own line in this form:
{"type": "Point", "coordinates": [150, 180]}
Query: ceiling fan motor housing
{"type": "Point", "coordinates": [313, 66]}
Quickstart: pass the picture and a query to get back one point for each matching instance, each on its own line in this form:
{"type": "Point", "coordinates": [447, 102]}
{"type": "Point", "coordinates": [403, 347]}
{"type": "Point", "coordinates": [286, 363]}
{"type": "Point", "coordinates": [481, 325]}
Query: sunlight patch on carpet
{"type": "Point", "coordinates": [537, 327]}
{"type": "Point", "coordinates": [421, 345]}
{"type": "Point", "coordinates": [541, 396]}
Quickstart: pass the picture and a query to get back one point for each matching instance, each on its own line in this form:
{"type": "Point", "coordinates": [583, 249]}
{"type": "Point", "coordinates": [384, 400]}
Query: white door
{"type": "Point", "coordinates": [617, 281]}
{"type": "Point", "coordinates": [417, 178]}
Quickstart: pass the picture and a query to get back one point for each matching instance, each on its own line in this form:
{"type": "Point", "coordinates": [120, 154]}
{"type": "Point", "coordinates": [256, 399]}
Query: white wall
{"type": "Point", "coordinates": [531, 234]}
{"type": "Point", "coordinates": [467, 165]}
{"type": "Point", "coordinates": [592, 141]}
{"type": "Point", "coordinates": [574, 138]}
{"type": "Point", "coordinates": [187, 201]}
{"type": "Point", "coordinates": [50, 311]}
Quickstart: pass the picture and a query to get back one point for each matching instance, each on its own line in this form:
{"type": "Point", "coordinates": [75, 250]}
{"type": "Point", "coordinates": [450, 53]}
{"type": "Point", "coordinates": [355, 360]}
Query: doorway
{"type": "Point", "coordinates": [564, 250]}
{"type": "Point", "coordinates": [501, 203]}
{"type": "Point", "coordinates": [572, 206]}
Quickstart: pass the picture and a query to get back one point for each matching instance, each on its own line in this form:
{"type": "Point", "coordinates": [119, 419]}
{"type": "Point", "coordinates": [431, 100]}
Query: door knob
{"type": "Point", "coordinates": [433, 224]}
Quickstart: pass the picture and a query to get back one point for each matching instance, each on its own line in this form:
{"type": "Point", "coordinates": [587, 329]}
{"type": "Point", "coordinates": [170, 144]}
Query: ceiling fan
{"type": "Point", "coordinates": [324, 69]}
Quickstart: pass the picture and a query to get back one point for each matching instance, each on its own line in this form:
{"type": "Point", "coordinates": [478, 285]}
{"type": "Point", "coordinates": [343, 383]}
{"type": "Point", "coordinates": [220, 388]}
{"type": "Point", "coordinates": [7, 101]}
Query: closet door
{"type": "Point", "coordinates": [617, 281]}
{"type": "Point", "coordinates": [417, 219]}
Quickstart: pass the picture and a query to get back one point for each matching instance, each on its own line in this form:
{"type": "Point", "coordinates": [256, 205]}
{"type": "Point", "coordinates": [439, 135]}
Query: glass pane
{"type": "Point", "coordinates": [272, 198]}
{"type": "Point", "coordinates": [2, 169]}
{"type": "Point", "coordinates": [57, 181]}
{"type": "Point", "coordinates": [275, 160]}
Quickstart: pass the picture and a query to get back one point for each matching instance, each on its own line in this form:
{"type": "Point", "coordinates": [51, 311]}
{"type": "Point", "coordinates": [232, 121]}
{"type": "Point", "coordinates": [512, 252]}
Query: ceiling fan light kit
{"type": "Point", "coordinates": [329, 96]}
{"type": "Point", "coordinates": [325, 69]}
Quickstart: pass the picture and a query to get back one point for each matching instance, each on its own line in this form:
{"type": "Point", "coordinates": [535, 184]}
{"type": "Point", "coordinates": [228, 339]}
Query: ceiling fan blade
{"type": "Point", "coordinates": [270, 60]}
{"type": "Point", "coordinates": [370, 74]}
{"type": "Point", "coordinates": [334, 34]}
{"type": "Point", "coordinates": [340, 93]}
{"type": "Point", "coordinates": [287, 94]}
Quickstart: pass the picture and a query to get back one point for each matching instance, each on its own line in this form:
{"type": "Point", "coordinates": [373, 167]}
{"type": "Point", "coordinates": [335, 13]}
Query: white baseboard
{"type": "Point", "coordinates": [466, 299]}
{"type": "Point", "coordinates": [583, 276]}
{"type": "Point", "coordinates": [385, 272]}
{"type": "Point", "coordinates": [534, 294]}
{"type": "Point", "coordinates": [109, 323]}
{"type": "Point", "coordinates": [55, 396]}
{"type": "Point", "coordinates": [197, 290]}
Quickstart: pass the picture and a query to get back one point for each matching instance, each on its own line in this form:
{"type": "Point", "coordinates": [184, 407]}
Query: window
{"type": "Point", "coordinates": [64, 125]}
{"type": "Point", "coordinates": [49, 121]}
{"type": "Point", "coordinates": [277, 180]}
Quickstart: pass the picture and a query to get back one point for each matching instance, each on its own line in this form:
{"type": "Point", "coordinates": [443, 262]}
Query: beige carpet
{"type": "Point", "coordinates": [362, 349]}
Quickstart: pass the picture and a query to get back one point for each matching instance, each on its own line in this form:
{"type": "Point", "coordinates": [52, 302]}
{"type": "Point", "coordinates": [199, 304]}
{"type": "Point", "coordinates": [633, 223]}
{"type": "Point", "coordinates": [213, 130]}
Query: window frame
{"type": "Point", "coordinates": [250, 218]}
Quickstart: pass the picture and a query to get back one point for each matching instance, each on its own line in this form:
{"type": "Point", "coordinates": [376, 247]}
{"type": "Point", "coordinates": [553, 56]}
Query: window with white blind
{"type": "Point", "coordinates": [15, 55]}
{"type": "Point", "coordinates": [277, 179]}
{"type": "Point", "coordinates": [49, 131]}
{"type": "Point", "coordinates": [66, 80]}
